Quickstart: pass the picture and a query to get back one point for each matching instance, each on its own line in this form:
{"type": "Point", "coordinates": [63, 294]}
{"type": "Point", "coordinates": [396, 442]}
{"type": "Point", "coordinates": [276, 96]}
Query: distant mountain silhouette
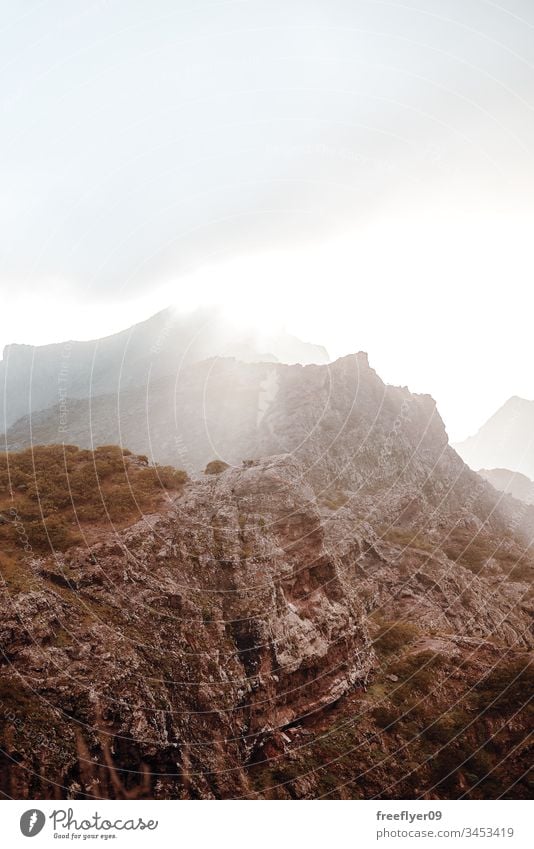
{"type": "Point", "coordinates": [514, 483]}
{"type": "Point", "coordinates": [506, 441]}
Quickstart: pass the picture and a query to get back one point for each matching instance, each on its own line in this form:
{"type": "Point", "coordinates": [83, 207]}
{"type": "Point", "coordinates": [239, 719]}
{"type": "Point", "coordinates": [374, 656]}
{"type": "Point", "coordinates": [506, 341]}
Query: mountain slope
{"type": "Point", "coordinates": [242, 640]}
{"type": "Point", "coordinates": [512, 483]}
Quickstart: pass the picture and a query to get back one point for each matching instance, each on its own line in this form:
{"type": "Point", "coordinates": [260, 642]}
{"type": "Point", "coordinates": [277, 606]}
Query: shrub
{"type": "Point", "coordinates": [407, 538]}
{"type": "Point", "coordinates": [474, 550]}
{"type": "Point", "coordinates": [53, 532]}
{"type": "Point", "coordinates": [393, 635]}
{"type": "Point", "coordinates": [418, 671]}
{"type": "Point", "coordinates": [166, 476]}
{"type": "Point", "coordinates": [215, 467]}
{"type": "Point", "coordinates": [386, 717]}
{"type": "Point", "coordinates": [446, 727]}
{"type": "Point", "coordinates": [507, 686]}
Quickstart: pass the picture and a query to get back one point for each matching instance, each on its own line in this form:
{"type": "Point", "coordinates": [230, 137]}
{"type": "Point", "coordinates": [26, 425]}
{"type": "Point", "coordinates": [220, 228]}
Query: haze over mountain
{"type": "Point", "coordinates": [513, 483]}
{"type": "Point", "coordinates": [34, 378]}
{"type": "Point", "coordinates": [345, 425]}
{"type": "Point", "coordinates": [505, 441]}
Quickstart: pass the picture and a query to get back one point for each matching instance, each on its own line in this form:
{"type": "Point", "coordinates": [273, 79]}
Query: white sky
{"type": "Point", "coordinates": [361, 172]}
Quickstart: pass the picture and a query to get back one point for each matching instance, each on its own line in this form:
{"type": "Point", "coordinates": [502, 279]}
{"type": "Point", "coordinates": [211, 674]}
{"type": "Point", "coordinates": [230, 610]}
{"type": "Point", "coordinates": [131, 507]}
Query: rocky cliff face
{"type": "Point", "coordinates": [191, 636]}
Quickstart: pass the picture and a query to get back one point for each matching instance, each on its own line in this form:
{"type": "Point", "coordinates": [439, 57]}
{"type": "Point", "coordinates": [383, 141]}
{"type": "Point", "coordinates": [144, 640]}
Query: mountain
{"type": "Point", "coordinates": [512, 483]}
{"type": "Point", "coordinates": [35, 378]}
{"type": "Point", "coordinates": [344, 611]}
{"type": "Point", "coordinates": [506, 441]}
{"type": "Point", "coordinates": [353, 433]}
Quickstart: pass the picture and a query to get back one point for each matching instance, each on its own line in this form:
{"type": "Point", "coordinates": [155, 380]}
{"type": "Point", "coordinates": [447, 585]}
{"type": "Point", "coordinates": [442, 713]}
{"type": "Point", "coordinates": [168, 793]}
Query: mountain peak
{"type": "Point", "coordinates": [505, 441]}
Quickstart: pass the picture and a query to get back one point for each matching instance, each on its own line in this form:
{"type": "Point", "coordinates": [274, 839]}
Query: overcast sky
{"type": "Point", "coordinates": [360, 171]}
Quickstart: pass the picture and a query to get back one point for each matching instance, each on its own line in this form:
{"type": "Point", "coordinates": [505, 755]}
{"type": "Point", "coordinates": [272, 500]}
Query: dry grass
{"type": "Point", "coordinates": [48, 491]}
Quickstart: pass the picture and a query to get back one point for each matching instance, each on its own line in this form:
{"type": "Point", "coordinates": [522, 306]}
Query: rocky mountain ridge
{"type": "Point", "coordinates": [380, 447]}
